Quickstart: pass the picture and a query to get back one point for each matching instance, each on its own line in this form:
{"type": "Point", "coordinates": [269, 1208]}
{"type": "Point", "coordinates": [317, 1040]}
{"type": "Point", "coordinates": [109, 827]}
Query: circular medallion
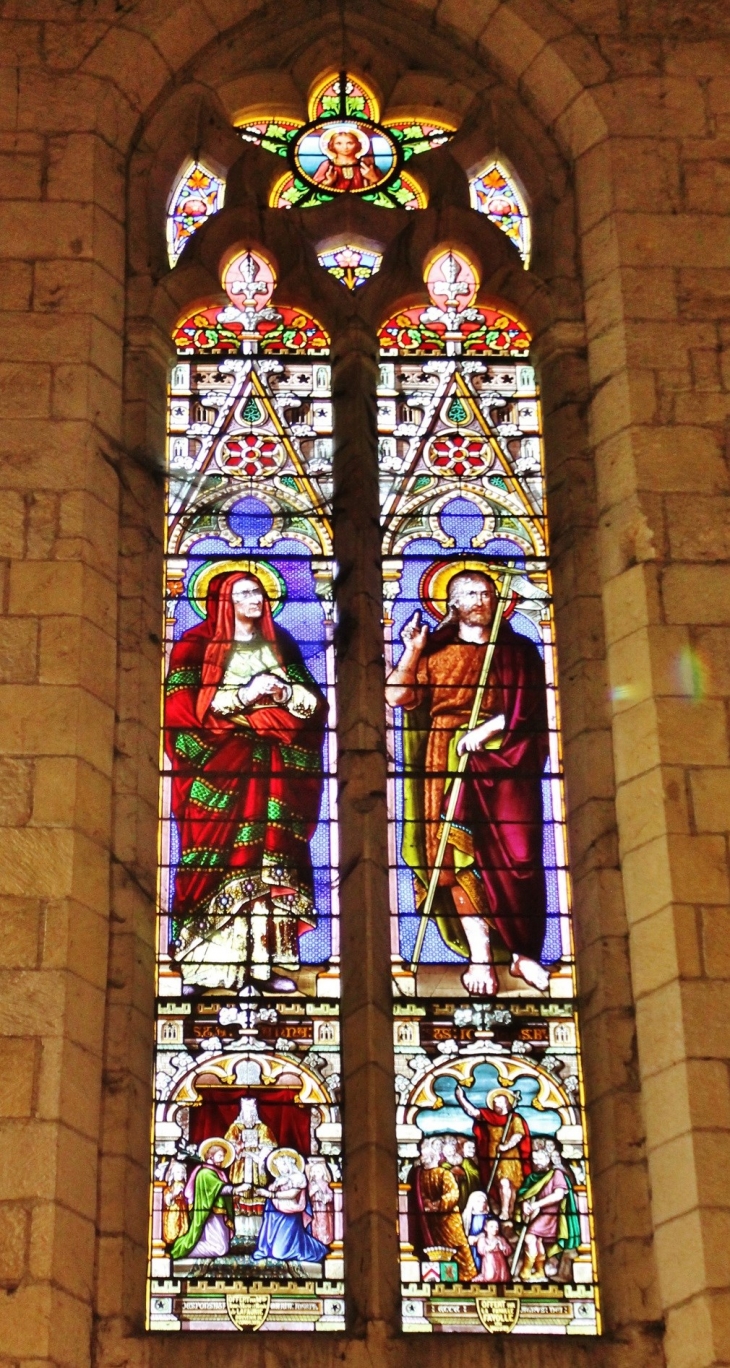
{"type": "Point", "coordinates": [459, 454]}
{"type": "Point", "coordinates": [345, 156]}
{"type": "Point", "coordinates": [254, 454]}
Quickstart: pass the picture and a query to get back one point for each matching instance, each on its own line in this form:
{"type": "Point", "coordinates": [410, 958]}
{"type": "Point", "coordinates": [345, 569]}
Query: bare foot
{"type": "Point", "coordinates": [532, 972]}
{"type": "Point", "coordinates": [480, 980]}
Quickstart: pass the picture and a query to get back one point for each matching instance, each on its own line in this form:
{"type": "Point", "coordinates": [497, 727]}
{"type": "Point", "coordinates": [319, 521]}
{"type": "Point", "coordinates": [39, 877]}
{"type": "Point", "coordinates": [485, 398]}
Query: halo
{"type": "Point", "coordinates": [433, 590]}
{"type": "Point", "coordinates": [512, 1097]}
{"type": "Point", "coordinates": [273, 1165]}
{"type": "Point", "coordinates": [272, 581]}
{"type": "Point", "coordinates": [217, 1142]}
{"type": "Point", "coordinates": [333, 128]}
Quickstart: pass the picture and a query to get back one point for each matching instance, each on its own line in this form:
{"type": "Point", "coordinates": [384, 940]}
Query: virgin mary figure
{"type": "Point", "coordinates": [244, 723]}
{"type": "Point", "coordinates": [284, 1236]}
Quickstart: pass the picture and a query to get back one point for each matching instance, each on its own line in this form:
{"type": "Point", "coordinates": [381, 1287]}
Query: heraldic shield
{"type": "Point", "coordinates": [498, 1314]}
{"type": "Point", "coordinates": [247, 1312]}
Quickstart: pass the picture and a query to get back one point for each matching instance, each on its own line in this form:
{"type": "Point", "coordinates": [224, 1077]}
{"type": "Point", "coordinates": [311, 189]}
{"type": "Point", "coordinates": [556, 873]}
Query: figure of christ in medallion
{"type": "Point", "coordinates": [244, 731]}
{"type": "Point", "coordinates": [348, 163]}
{"type": "Point", "coordinates": [492, 876]}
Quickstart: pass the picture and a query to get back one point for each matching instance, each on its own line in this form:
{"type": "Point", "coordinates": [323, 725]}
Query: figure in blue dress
{"type": "Point", "coordinates": [284, 1236]}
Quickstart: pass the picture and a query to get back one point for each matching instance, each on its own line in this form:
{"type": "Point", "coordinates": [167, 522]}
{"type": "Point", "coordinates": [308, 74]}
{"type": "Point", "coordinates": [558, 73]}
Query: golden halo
{"type": "Point", "coordinates": [270, 578]}
{"type": "Point", "coordinates": [216, 1142]}
{"type": "Point", "coordinates": [331, 130]}
{"type": "Point", "coordinates": [433, 589]}
{"type": "Point", "coordinates": [273, 1165]}
{"type": "Point", "coordinates": [501, 1092]}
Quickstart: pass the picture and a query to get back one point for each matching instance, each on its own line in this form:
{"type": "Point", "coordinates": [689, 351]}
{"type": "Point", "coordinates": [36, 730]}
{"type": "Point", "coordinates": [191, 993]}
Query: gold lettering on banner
{"type": "Point", "coordinates": [247, 1312]}
{"type": "Point", "coordinates": [498, 1314]}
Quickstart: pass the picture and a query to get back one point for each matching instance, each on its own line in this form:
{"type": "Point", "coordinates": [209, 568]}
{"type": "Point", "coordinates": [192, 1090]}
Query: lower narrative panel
{"type": "Point", "coordinates": [495, 1208]}
{"type": "Point", "coordinates": [247, 1210]}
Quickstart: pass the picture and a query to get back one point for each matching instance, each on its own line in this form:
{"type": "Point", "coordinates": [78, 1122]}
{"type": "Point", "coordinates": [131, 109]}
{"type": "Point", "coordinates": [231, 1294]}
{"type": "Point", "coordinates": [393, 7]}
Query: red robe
{"type": "Point", "coordinates": [494, 1122]}
{"type": "Point", "coordinates": [245, 793]}
{"type": "Point", "coordinates": [498, 819]}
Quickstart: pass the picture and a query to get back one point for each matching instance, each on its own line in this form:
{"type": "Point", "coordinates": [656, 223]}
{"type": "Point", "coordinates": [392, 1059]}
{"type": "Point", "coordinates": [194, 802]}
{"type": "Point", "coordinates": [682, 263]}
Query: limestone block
{"type": "Point", "coordinates": [715, 930]}
{"type": "Point", "coordinates": [704, 293]}
{"type": "Point", "coordinates": [12, 523]}
{"type": "Point", "coordinates": [25, 1321]}
{"type": "Point", "coordinates": [133, 63]}
{"type": "Point", "coordinates": [87, 530]}
{"type": "Point", "coordinates": [21, 175]}
{"type": "Point", "coordinates": [671, 239]}
{"type": "Point", "coordinates": [710, 789]}
{"type": "Point", "coordinates": [692, 731]}
{"type": "Point", "coordinates": [18, 1077]}
{"type": "Point", "coordinates": [17, 285]}
{"type": "Point", "coordinates": [76, 651]}
{"type": "Point", "coordinates": [696, 593]}
{"type": "Point", "coordinates": [660, 1030]}
{"type": "Point", "coordinates": [55, 721]}
{"type": "Point", "coordinates": [29, 230]}
{"type": "Point", "coordinates": [14, 1225]}
{"type": "Point", "coordinates": [181, 35]}
{"type": "Point", "coordinates": [69, 1085]}
{"type": "Point", "coordinates": [26, 385]}
{"type": "Point", "coordinates": [16, 780]}
{"type": "Point", "coordinates": [73, 287]}
{"type": "Point", "coordinates": [636, 745]}
{"type": "Point", "coordinates": [651, 804]}
{"type": "Point", "coordinates": [21, 926]}
{"type": "Point", "coordinates": [706, 1022]}
{"type": "Point", "coordinates": [675, 1177]}
{"type": "Point", "coordinates": [510, 42]}
{"type": "Point", "coordinates": [71, 792]}
{"type": "Point", "coordinates": [649, 292]}
{"type": "Point", "coordinates": [646, 663]}
{"type": "Point", "coordinates": [698, 1330]}
{"type": "Point", "coordinates": [663, 946]}
{"type": "Point", "coordinates": [62, 1248]}
{"type": "Point", "coordinates": [51, 588]}
{"type": "Point", "coordinates": [83, 161]}
{"type": "Point", "coordinates": [641, 107]}
{"type": "Point", "coordinates": [700, 529]}
{"type": "Point", "coordinates": [581, 126]}
{"type": "Point", "coordinates": [84, 392]}
{"type": "Point", "coordinates": [679, 460]}
{"type": "Point", "coordinates": [52, 339]}
{"type": "Point", "coordinates": [692, 1254]}
{"type": "Point", "coordinates": [645, 170]}
{"type": "Point", "coordinates": [75, 938]}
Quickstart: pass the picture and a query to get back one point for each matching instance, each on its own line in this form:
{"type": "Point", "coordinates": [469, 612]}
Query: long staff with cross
{"type": "Point", "coordinates": [509, 574]}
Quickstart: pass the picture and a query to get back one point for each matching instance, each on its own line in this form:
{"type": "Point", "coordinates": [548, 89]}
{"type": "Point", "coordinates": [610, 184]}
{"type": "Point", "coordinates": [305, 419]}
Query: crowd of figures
{"type": "Point", "coordinates": [500, 1206]}
{"type": "Point", "coordinates": [247, 1196]}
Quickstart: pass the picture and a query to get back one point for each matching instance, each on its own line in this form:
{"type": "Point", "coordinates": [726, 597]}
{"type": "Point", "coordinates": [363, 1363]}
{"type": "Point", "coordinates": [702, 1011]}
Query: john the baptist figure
{"type": "Point", "coordinates": [244, 729]}
{"type": "Point", "coordinates": [492, 877]}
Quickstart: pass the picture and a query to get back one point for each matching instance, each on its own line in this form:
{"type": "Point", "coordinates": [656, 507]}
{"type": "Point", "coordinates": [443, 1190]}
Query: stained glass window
{"type": "Point", "coordinates": [495, 1198]}
{"type": "Point", "coordinates": [349, 264]}
{"type": "Point", "coordinates": [247, 1197]}
{"type": "Point", "coordinates": [344, 148]}
{"type": "Point", "coordinates": [494, 192]}
{"type": "Point", "coordinates": [197, 194]}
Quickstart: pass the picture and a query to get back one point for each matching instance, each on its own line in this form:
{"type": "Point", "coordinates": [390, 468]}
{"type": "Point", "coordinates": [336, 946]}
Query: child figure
{"type": "Point", "coordinates": [492, 1250]}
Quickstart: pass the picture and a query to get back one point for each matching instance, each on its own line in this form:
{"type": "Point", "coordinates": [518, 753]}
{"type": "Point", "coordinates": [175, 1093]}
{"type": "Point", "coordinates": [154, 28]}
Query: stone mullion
{"type": "Point", "coordinates": [369, 1141]}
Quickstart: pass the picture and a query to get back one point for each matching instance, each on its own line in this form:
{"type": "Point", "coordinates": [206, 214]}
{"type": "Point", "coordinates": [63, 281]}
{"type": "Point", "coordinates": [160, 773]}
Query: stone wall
{"type": "Point", "coordinates": [616, 116]}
